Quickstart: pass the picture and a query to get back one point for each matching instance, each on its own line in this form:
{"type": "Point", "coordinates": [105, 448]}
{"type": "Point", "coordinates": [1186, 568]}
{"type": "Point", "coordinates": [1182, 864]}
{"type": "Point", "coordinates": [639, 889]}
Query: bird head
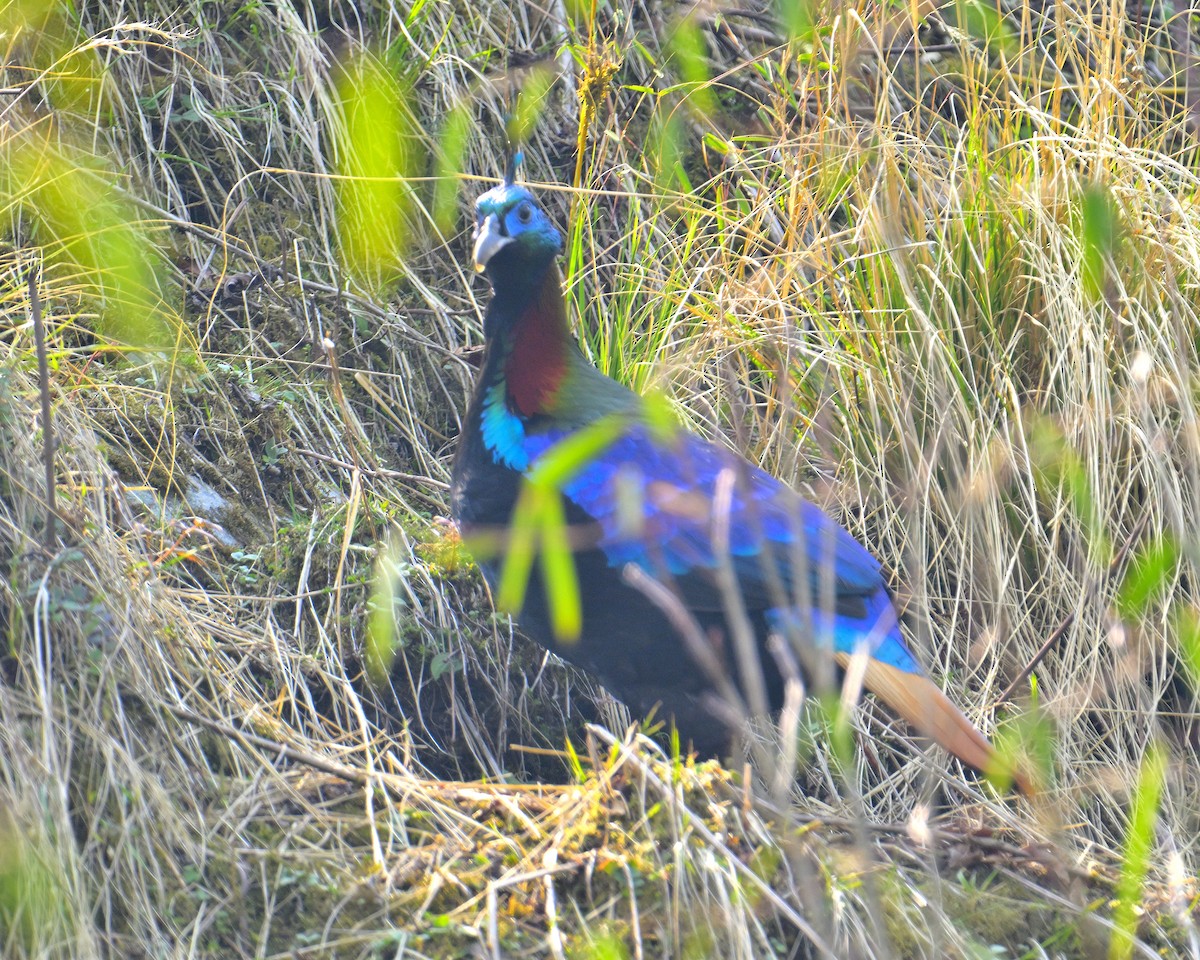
{"type": "Point", "coordinates": [512, 231]}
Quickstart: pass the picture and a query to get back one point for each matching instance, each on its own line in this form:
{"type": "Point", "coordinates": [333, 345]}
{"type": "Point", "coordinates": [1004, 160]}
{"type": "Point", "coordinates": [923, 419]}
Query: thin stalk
{"type": "Point", "coordinates": [39, 337]}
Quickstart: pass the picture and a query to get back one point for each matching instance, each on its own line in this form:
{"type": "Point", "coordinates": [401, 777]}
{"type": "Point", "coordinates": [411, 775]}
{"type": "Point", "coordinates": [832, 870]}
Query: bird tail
{"type": "Point", "coordinates": [918, 700]}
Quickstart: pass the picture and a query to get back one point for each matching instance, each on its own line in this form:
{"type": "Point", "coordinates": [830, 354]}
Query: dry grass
{"type": "Point", "coordinates": [884, 276]}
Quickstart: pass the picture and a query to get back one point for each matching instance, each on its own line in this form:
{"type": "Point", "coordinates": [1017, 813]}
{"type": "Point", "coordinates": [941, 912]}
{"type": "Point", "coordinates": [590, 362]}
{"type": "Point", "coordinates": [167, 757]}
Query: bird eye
{"type": "Point", "coordinates": [525, 213]}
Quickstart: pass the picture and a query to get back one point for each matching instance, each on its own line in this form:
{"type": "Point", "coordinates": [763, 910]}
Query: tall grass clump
{"type": "Point", "coordinates": [935, 267]}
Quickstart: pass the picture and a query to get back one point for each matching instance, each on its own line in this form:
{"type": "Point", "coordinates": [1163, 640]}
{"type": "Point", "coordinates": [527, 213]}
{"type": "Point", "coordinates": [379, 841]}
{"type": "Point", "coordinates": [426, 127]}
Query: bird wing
{"type": "Point", "coordinates": [655, 499]}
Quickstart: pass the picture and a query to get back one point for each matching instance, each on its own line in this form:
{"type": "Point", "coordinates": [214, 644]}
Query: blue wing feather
{"type": "Point", "coordinates": [652, 500]}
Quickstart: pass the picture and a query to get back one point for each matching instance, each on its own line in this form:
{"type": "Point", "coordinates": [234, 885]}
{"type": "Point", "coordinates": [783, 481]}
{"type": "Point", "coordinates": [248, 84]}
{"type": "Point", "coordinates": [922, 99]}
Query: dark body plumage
{"type": "Point", "coordinates": [627, 641]}
{"type": "Point", "coordinates": [536, 389]}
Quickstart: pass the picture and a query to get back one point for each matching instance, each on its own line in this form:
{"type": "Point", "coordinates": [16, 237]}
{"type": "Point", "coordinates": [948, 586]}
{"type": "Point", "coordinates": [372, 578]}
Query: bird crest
{"type": "Point", "coordinates": [515, 159]}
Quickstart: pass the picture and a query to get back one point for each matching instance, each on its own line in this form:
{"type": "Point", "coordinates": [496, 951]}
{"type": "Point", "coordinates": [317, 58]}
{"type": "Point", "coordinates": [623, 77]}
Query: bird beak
{"type": "Point", "coordinates": [489, 241]}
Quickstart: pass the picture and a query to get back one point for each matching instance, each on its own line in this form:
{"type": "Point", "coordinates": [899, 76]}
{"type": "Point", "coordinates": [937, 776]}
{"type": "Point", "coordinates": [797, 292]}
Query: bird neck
{"type": "Point", "coordinates": [535, 345]}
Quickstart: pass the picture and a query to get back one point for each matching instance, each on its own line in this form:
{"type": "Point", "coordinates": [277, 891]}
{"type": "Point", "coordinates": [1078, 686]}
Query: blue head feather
{"type": "Point", "coordinates": [520, 219]}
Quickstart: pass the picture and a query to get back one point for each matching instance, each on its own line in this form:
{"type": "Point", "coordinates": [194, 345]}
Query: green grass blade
{"type": "Point", "coordinates": [1139, 845]}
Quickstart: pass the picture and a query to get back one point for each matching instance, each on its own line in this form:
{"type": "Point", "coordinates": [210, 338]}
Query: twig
{"type": "Point", "coordinates": [306, 757]}
{"type": "Point", "coordinates": [39, 338]}
{"type": "Point", "coordinates": [1044, 649]}
{"type": "Point", "coordinates": [401, 786]}
{"type": "Point", "coordinates": [374, 472]}
{"type": "Point", "coordinates": [1117, 562]}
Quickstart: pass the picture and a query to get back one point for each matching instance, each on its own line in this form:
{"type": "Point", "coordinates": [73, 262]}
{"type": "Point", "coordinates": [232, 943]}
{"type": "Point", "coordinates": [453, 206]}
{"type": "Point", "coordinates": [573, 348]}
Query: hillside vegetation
{"type": "Point", "coordinates": [939, 268]}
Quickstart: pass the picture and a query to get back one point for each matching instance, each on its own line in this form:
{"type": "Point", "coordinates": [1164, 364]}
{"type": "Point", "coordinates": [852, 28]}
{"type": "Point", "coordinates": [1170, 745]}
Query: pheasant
{"type": "Point", "coordinates": [656, 514]}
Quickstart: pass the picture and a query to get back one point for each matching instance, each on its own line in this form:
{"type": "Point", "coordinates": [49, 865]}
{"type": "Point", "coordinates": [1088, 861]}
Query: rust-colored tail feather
{"type": "Point", "coordinates": [918, 700]}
